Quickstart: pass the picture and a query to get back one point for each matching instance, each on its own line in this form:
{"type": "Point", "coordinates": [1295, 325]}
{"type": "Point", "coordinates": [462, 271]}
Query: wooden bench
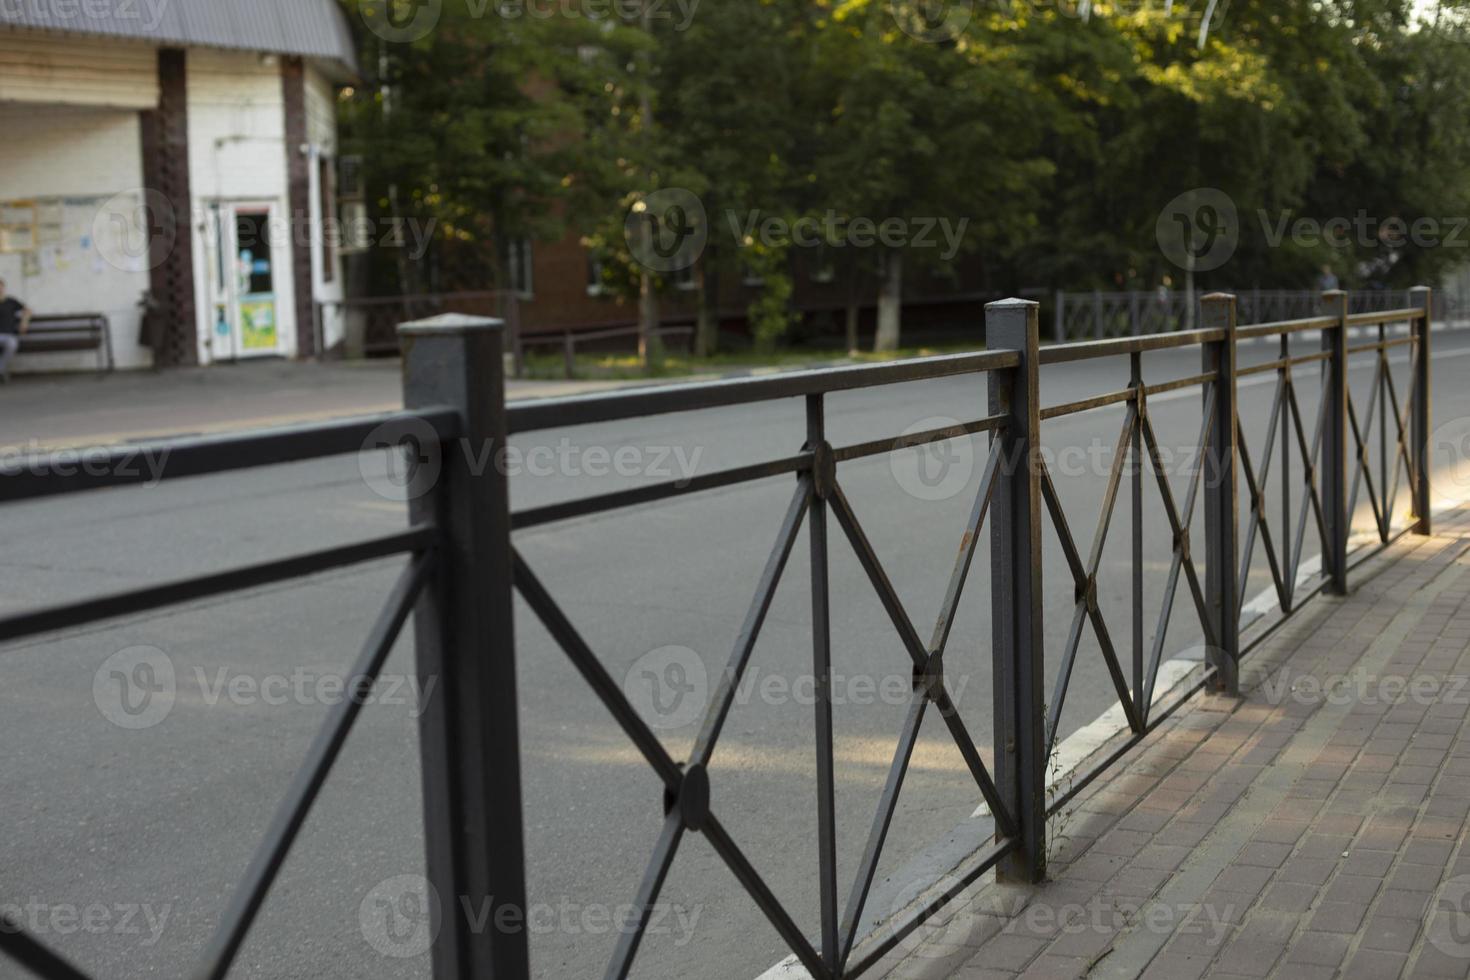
{"type": "Point", "coordinates": [70, 331]}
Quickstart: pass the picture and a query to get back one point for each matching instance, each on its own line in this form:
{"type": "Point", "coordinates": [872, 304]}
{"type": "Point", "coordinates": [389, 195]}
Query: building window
{"type": "Point", "coordinates": [518, 262]}
{"type": "Point", "coordinates": [327, 191]}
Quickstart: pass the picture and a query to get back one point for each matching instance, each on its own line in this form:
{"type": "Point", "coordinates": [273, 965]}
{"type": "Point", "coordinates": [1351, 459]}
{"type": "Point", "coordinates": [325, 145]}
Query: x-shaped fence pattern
{"type": "Point", "coordinates": [464, 568]}
{"type": "Point", "coordinates": [1137, 702]}
{"type": "Point", "coordinates": [687, 785]}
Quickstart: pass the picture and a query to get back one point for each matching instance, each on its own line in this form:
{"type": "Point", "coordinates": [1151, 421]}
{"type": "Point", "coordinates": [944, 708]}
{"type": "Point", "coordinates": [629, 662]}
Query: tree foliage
{"type": "Point", "coordinates": [1053, 133]}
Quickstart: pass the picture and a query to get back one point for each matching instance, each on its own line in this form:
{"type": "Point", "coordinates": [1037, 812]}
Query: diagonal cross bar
{"type": "Point", "coordinates": [307, 783]}
{"type": "Point", "coordinates": [924, 664]}
{"type": "Point", "coordinates": [1312, 498]}
{"type": "Point", "coordinates": [882, 819]}
{"type": "Point", "coordinates": [1085, 581]}
{"type": "Point", "coordinates": [1362, 474]}
{"type": "Point", "coordinates": [971, 538]}
{"type": "Point", "coordinates": [648, 889]}
{"type": "Point", "coordinates": [37, 958]}
{"type": "Point", "coordinates": [1258, 516]}
{"type": "Point", "coordinates": [1401, 449]}
{"type": "Point", "coordinates": [723, 697]}
{"type": "Point", "coordinates": [764, 898]}
{"type": "Point", "coordinates": [595, 674]}
{"type": "Point", "coordinates": [1180, 528]}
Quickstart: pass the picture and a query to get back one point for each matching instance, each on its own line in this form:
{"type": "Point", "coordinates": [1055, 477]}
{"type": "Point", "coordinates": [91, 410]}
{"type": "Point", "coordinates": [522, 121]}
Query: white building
{"type": "Point", "coordinates": [182, 151]}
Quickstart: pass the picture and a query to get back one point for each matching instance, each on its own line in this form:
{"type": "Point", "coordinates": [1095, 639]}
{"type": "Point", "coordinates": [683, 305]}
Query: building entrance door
{"type": "Point", "coordinates": [245, 309]}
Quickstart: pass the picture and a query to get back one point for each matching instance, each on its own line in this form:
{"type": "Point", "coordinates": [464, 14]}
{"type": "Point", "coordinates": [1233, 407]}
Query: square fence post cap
{"type": "Point", "coordinates": [1013, 303]}
{"type": "Point", "coordinates": [449, 323]}
{"type": "Point", "coordinates": [1216, 297]}
{"type": "Point", "coordinates": [1333, 293]}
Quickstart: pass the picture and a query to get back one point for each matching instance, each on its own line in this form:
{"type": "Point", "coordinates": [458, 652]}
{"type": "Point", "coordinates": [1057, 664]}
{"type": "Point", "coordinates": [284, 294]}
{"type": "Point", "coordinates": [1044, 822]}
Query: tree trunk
{"type": "Point", "coordinates": [890, 302]}
{"type": "Point", "coordinates": [706, 323]}
{"type": "Point", "coordinates": [853, 311]}
{"type": "Point", "coordinates": [1189, 304]}
{"type": "Point", "coordinates": [650, 344]}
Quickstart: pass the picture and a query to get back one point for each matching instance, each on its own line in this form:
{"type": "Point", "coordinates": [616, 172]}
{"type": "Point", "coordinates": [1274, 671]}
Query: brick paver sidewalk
{"type": "Point", "coordinates": [1311, 829]}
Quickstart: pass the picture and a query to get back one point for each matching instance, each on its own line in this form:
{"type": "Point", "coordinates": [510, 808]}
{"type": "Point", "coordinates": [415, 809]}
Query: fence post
{"type": "Point", "coordinates": [1015, 589]}
{"type": "Point", "coordinates": [464, 643]}
{"type": "Point", "coordinates": [1422, 297]}
{"type": "Point", "coordinates": [517, 347]}
{"type": "Point", "coordinates": [1222, 495]}
{"type": "Point", "coordinates": [1334, 482]}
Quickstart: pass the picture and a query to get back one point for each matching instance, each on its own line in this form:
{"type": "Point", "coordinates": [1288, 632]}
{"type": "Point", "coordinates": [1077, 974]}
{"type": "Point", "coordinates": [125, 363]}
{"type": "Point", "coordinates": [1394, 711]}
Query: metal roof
{"type": "Point", "coordinates": [311, 28]}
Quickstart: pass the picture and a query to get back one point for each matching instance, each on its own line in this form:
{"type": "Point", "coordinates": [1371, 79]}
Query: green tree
{"type": "Point", "coordinates": [493, 127]}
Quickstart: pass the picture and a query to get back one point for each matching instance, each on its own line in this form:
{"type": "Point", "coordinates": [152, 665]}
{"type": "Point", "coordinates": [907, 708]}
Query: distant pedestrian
{"type": "Point", "coordinates": [15, 319]}
{"type": "Point", "coordinates": [1327, 281]}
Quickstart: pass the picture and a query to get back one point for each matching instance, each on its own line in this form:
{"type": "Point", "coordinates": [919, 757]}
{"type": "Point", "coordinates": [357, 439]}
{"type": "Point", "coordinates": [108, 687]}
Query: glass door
{"type": "Point", "coordinates": [255, 292]}
{"type": "Point", "coordinates": [244, 311]}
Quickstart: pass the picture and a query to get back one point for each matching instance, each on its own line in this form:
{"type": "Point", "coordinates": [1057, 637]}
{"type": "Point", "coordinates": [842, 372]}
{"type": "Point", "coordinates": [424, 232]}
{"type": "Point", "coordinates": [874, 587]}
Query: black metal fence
{"type": "Point", "coordinates": [464, 568]}
{"type": "Point", "coordinates": [1099, 315]}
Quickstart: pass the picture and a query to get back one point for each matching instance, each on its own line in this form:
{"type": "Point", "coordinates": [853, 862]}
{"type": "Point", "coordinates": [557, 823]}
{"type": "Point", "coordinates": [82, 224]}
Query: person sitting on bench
{"type": "Point", "coordinates": [15, 319]}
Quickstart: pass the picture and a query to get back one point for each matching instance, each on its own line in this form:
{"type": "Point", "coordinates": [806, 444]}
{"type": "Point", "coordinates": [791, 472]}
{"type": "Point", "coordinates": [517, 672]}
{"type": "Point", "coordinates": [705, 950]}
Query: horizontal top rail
{"type": "Point", "coordinates": [1088, 349]}
{"type": "Point", "coordinates": [69, 615]}
{"type": "Point", "coordinates": [609, 333]}
{"type": "Point", "coordinates": [76, 470]}
{"type": "Point", "coordinates": [1280, 327]}
{"type": "Point", "coordinates": [552, 413]}
{"type": "Point", "coordinates": [1384, 316]}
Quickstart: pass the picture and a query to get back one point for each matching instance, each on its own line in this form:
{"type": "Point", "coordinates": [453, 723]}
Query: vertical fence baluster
{"type": "Point", "coordinates": [1135, 381]}
{"type": "Point", "coordinates": [1383, 458]}
{"type": "Point", "coordinates": [469, 739]}
{"type": "Point", "coordinates": [823, 474]}
{"type": "Point", "coordinates": [1015, 589]}
{"type": "Point", "coordinates": [1222, 494]}
{"type": "Point", "coordinates": [1422, 298]}
{"type": "Point", "coordinates": [1335, 443]}
{"type": "Point", "coordinates": [1286, 395]}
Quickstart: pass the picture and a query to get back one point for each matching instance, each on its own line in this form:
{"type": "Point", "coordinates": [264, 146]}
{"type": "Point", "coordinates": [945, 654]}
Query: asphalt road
{"type": "Point", "coordinates": [127, 831]}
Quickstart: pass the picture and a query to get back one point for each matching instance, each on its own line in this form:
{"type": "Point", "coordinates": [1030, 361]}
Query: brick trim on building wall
{"type": "Point", "coordinates": [170, 327]}
{"type": "Point", "coordinates": [298, 182]}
